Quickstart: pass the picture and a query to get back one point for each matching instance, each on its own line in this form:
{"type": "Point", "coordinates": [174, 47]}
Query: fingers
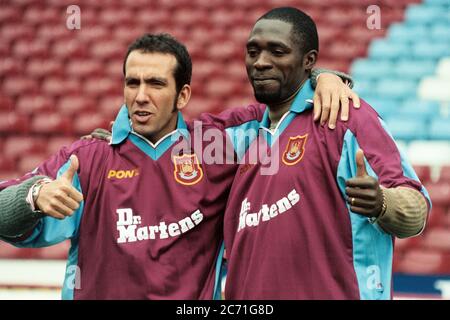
{"type": "Point", "coordinates": [334, 111]}
{"type": "Point", "coordinates": [360, 203]}
{"type": "Point", "coordinates": [362, 182]}
{"type": "Point", "coordinates": [365, 194]}
{"type": "Point", "coordinates": [363, 211]}
{"type": "Point", "coordinates": [326, 106]}
{"type": "Point", "coordinates": [73, 167]}
{"type": "Point", "coordinates": [360, 164]}
{"type": "Point", "coordinates": [87, 137]}
{"type": "Point", "coordinates": [75, 194]}
{"type": "Point", "coordinates": [355, 99]}
{"type": "Point", "coordinates": [317, 106]}
{"type": "Point", "coordinates": [101, 134]}
{"type": "Point", "coordinates": [344, 108]}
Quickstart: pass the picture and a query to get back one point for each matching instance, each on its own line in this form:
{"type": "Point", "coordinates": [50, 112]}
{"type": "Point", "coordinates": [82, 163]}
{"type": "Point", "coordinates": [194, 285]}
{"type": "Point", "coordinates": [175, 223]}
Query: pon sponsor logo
{"type": "Point", "coordinates": [122, 174]}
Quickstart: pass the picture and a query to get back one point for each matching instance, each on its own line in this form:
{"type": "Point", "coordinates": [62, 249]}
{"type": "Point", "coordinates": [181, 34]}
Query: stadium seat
{"type": "Point", "coordinates": [75, 104]}
{"type": "Point", "coordinates": [396, 88]}
{"type": "Point", "coordinates": [436, 217]}
{"type": "Point", "coordinates": [433, 153]}
{"type": "Point", "coordinates": [443, 68]}
{"type": "Point", "coordinates": [439, 193]}
{"type": "Point", "coordinates": [51, 123]}
{"type": "Point", "coordinates": [30, 104]}
{"type": "Point", "coordinates": [373, 69]}
{"type": "Point", "coordinates": [424, 110]}
{"type": "Point", "coordinates": [419, 261]}
{"type": "Point", "coordinates": [60, 86]}
{"type": "Point", "coordinates": [413, 69]}
{"type": "Point", "coordinates": [107, 50]}
{"type": "Point", "coordinates": [382, 49]}
{"type": "Point", "coordinates": [423, 172]}
{"type": "Point", "coordinates": [17, 146]}
{"type": "Point", "coordinates": [110, 106]}
{"type": "Point", "coordinates": [440, 129]}
{"type": "Point", "coordinates": [86, 123]}
{"type": "Point", "coordinates": [437, 239]}
{"type": "Point", "coordinates": [30, 162]}
{"type": "Point", "coordinates": [68, 49]}
{"type": "Point", "coordinates": [399, 32]}
{"type": "Point", "coordinates": [407, 128]}
{"type": "Point", "coordinates": [6, 163]}
{"type": "Point", "coordinates": [18, 85]}
{"type": "Point", "coordinates": [444, 175]}
{"type": "Point", "coordinates": [39, 68]}
{"type": "Point", "coordinates": [82, 68]}
{"type": "Point", "coordinates": [12, 121]}
{"type": "Point", "coordinates": [53, 145]}
{"type": "Point", "coordinates": [430, 50]}
{"type": "Point", "coordinates": [434, 89]}
{"type": "Point", "coordinates": [423, 14]}
{"type": "Point", "coordinates": [59, 251]}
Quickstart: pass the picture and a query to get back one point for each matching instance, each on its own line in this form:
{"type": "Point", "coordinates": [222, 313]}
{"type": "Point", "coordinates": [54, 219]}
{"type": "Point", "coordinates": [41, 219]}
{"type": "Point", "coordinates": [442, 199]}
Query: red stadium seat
{"type": "Point", "coordinates": [57, 87]}
{"type": "Point", "coordinates": [8, 175]}
{"type": "Point", "coordinates": [110, 106]}
{"type": "Point", "coordinates": [38, 68]}
{"type": "Point", "coordinates": [59, 251]}
{"type": "Point", "coordinates": [423, 172]}
{"type": "Point", "coordinates": [16, 146]}
{"type": "Point", "coordinates": [13, 122]}
{"type": "Point", "coordinates": [101, 87]}
{"type": "Point", "coordinates": [6, 163]}
{"type": "Point", "coordinates": [55, 144]}
{"type": "Point", "coordinates": [436, 217]}
{"type": "Point", "coordinates": [30, 162]}
{"type": "Point", "coordinates": [421, 262]}
{"type": "Point", "coordinates": [6, 103]}
{"type": "Point", "coordinates": [68, 49]}
{"type": "Point", "coordinates": [82, 68]}
{"type": "Point", "coordinates": [444, 175]}
{"type": "Point", "coordinates": [115, 16]}
{"type": "Point", "coordinates": [187, 17]}
{"type": "Point", "coordinates": [35, 15]}
{"type": "Point", "coordinates": [148, 18]}
{"type": "Point", "coordinates": [402, 245]}
{"type": "Point", "coordinates": [51, 123]}
{"type": "Point", "coordinates": [107, 49]}
{"type": "Point", "coordinates": [10, 66]}
{"type": "Point", "coordinates": [95, 32]}
{"type": "Point", "coordinates": [12, 31]}
{"type": "Point", "coordinates": [86, 123]}
{"type": "Point", "coordinates": [437, 239]}
{"type": "Point", "coordinates": [439, 193]}
{"type": "Point", "coordinates": [74, 104]}
{"type": "Point", "coordinates": [221, 88]}
{"type": "Point", "coordinates": [10, 14]}
{"type": "Point", "coordinates": [18, 85]}
{"type": "Point", "coordinates": [30, 104]}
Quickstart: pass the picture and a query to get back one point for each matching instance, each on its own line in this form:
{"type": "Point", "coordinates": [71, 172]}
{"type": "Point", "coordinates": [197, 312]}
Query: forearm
{"type": "Point", "coordinates": [406, 212]}
{"type": "Point", "coordinates": [317, 71]}
{"type": "Point", "coordinates": [16, 216]}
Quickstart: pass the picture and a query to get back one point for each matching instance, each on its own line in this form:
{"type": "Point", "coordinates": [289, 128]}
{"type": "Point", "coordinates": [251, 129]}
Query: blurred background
{"type": "Point", "coordinates": [57, 84]}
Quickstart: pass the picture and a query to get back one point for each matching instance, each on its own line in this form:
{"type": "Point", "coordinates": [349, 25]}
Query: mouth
{"type": "Point", "coordinates": [141, 116]}
{"type": "Point", "coordinates": [263, 81]}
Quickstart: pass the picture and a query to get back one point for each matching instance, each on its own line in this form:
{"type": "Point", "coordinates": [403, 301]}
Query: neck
{"type": "Point", "coordinates": [276, 111]}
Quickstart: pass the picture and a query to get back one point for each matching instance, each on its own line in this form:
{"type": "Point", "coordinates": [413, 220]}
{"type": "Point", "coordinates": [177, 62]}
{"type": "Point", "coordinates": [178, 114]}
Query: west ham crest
{"type": "Point", "coordinates": [187, 169]}
{"type": "Point", "coordinates": [294, 150]}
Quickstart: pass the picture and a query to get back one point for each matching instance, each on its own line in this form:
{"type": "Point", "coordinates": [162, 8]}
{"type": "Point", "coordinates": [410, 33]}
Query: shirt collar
{"type": "Point", "coordinates": [122, 126]}
{"type": "Point", "coordinates": [303, 101]}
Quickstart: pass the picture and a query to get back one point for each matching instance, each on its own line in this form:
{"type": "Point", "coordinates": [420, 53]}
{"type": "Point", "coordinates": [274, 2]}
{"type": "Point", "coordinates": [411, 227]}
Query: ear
{"type": "Point", "coordinates": [183, 96]}
{"type": "Point", "coordinates": [310, 59]}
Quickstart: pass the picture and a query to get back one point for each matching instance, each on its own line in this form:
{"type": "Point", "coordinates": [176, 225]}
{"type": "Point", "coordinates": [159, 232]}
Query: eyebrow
{"type": "Point", "coordinates": [271, 44]}
{"type": "Point", "coordinates": [147, 80]}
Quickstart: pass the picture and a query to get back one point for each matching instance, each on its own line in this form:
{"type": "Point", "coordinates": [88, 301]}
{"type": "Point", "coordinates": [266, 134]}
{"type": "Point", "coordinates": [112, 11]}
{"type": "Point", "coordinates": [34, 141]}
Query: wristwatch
{"type": "Point", "coordinates": [34, 193]}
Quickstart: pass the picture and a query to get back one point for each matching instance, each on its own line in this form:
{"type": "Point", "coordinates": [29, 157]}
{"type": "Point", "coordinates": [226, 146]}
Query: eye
{"type": "Point", "coordinates": [252, 52]}
{"type": "Point", "coordinates": [278, 52]}
{"type": "Point", "coordinates": [132, 83]}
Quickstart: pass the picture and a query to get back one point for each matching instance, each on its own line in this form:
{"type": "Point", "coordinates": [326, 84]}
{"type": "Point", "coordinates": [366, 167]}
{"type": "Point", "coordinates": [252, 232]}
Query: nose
{"type": "Point", "coordinates": [142, 97]}
{"type": "Point", "coordinates": [263, 61]}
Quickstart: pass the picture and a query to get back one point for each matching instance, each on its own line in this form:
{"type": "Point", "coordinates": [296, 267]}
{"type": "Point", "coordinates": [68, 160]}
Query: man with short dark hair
{"type": "Point", "coordinates": [144, 214]}
{"type": "Point", "coordinates": [323, 225]}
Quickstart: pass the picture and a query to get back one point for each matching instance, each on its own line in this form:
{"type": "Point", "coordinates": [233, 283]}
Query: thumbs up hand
{"type": "Point", "coordinates": [59, 198]}
{"type": "Point", "coordinates": [364, 194]}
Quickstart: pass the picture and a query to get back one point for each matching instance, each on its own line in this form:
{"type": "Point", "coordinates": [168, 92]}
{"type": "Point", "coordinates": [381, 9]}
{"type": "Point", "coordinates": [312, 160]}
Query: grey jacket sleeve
{"type": "Point", "coordinates": [16, 216]}
{"type": "Point", "coordinates": [315, 72]}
